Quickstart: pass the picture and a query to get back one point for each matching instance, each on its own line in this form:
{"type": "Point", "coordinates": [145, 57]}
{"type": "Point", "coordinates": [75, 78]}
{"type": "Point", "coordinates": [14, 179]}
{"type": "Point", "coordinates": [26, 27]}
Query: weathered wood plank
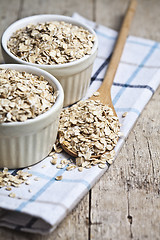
{"type": "Point", "coordinates": [126, 201]}
{"type": "Point", "coordinates": [75, 226]}
{"type": "Point", "coordinates": [9, 12]}
{"type": "Point", "coordinates": [64, 7]}
{"type": "Point", "coordinates": [110, 13]}
{"type": "Point", "coordinates": [144, 201]}
{"type": "Point", "coordinates": [108, 214]}
{"type": "Point", "coordinates": [146, 23]}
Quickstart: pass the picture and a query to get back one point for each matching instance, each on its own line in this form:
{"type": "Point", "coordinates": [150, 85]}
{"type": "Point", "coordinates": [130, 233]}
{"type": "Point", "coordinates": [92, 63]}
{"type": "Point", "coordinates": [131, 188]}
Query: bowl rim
{"type": "Point", "coordinates": [53, 17]}
{"type": "Point", "coordinates": [37, 71]}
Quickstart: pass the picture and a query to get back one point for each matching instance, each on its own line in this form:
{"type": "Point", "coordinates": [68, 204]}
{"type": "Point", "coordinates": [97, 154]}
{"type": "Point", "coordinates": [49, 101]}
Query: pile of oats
{"type": "Point", "coordinates": [8, 180]}
{"type": "Point", "coordinates": [91, 130]}
{"type": "Point", "coordinates": [68, 163]}
{"type": "Point", "coordinates": [51, 43]}
{"type": "Point", "coordinates": [24, 96]}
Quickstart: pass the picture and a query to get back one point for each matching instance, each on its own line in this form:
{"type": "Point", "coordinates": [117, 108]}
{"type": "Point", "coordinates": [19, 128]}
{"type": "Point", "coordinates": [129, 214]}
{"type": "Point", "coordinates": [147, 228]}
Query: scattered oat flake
{"type": "Point", "coordinates": [110, 161]}
{"type": "Point", "coordinates": [27, 183]}
{"type": "Point", "coordinates": [53, 154]}
{"type": "Point", "coordinates": [124, 114]}
{"type": "Point", "coordinates": [96, 94]}
{"type": "Point", "coordinates": [70, 168]}
{"type": "Point", "coordinates": [64, 162]}
{"type": "Point", "coordinates": [80, 169]}
{"type": "Point", "coordinates": [59, 166]}
{"type": "Point", "coordinates": [12, 195]}
{"type": "Point", "coordinates": [57, 149]}
{"type": "Point", "coordinates": [8, 188]}
{"type": "Point", "coordinates": [58, 178]}
{"type": "Point", "coordinates": [101, 165]}
{"type": "Point", "coordinates": [36, 179]}
{"type": "Point", "coordinates": [7, 179]}
{"type": "Point", "coordinates": [53, 161]}
{"type": "Point", "coordinates": [88, 166]}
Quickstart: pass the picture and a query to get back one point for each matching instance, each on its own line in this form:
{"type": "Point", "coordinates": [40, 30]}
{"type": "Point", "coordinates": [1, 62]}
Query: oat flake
{"type": "Point", "coordinates": [51, 43]}
{"type": "Point", "coordinates": [24, 96]}
{"type": "Point", "coordinates": [91, 130]}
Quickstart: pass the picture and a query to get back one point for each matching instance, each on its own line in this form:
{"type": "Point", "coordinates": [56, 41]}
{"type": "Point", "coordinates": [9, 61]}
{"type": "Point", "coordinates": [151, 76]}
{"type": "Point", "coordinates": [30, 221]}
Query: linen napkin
{"type": "Point", "coordinates": [42, 205]}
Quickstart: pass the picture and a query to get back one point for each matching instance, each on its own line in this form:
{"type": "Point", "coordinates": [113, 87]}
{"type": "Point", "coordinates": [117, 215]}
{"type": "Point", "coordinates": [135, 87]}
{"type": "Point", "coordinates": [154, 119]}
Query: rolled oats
{"type": "Point", "coordinates": [51, 43]}
{"type": "Point", "coordinates": [101, 165]}
{"type": "Point", "coordinates": [12, 195]}
{"type": "Point", "coordinates": [7, 179]}
{"type": "Point", "coordinates": [60, 166]}
{"type": "Point", "coordinates": [53, 155]}
{"type": "Point", "coordinates": [27, 183]}
{"type": "Point", "coordinates": [91, 130]}
{"type": "Point", "coordinates": [57, 148]}
{"type": "Point", "coordinates": [54, 161]}
{"type": "Point", "coordinates": [24, 95]}
{"type": "Point", "coordinates": [70, 167]}
{"type": "Point", "coordinates": [65, 162]}
{"type": "Point", "coordinates": [80, 169]}
{"type": "Point", "coordinates": [36, 179]}
{"type": "Point", "coordinates": [43, 166]}
{"type": "Point", "coordinates": [58, 178]}
{"type": "Point", "coordinates": [96, 94]}
{"type": "Point", "coordinates": [124, 114]}
{"type": "Point", "coordinates": [8, 188]}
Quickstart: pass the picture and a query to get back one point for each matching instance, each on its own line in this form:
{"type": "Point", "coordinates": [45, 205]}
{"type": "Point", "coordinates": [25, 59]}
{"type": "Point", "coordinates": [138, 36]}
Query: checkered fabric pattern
{"type": "Point", "coordinates": [137, 78]}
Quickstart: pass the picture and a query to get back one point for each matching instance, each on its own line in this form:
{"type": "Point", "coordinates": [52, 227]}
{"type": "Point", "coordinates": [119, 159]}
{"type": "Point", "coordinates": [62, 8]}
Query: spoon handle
{"type": "Point", "coordinates": [105, 88]}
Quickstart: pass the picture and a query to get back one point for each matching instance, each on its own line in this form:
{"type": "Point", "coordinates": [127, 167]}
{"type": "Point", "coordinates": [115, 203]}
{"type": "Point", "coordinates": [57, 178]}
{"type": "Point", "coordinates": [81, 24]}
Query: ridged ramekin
{"type": "Point", "coordinates": [26, 143]}
{"type": "Point", "coordinates": [74, 76]}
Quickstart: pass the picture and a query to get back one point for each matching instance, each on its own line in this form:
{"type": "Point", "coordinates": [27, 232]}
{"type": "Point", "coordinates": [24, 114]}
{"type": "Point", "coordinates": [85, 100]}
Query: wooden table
{"type": "Point", "coordinates": [125, 203]}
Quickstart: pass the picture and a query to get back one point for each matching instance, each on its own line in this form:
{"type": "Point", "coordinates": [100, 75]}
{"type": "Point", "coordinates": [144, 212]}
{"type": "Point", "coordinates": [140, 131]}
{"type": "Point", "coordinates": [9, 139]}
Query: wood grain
{"type": "Point", "coordinates": [9, 12]}
{"type": "Point", "coordinates": [127, 198]}
{"type": "Point", "coordinates": [64, 7]}
{"type": "Point", "coordinates": [105, 88]}
{"type": "Point", "coordinates": [125, 203]}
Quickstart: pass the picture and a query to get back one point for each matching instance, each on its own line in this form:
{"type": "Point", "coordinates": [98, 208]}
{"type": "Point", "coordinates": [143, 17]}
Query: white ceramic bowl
{"type": "Point", "coordinates": [25, 143]}
{"type": "Point", "coordinates": [74, 76]}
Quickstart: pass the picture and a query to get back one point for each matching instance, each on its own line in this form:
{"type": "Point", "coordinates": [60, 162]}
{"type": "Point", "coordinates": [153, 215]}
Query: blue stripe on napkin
{"type": "Point", "coordinates": [41, 191]}
{"type": "Point", "coordinates": [132, 77]}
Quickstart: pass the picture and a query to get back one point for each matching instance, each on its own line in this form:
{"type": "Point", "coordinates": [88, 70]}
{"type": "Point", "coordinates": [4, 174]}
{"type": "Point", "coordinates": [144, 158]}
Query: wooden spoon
{"type": "Point", "coordinates": [105, 88]}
